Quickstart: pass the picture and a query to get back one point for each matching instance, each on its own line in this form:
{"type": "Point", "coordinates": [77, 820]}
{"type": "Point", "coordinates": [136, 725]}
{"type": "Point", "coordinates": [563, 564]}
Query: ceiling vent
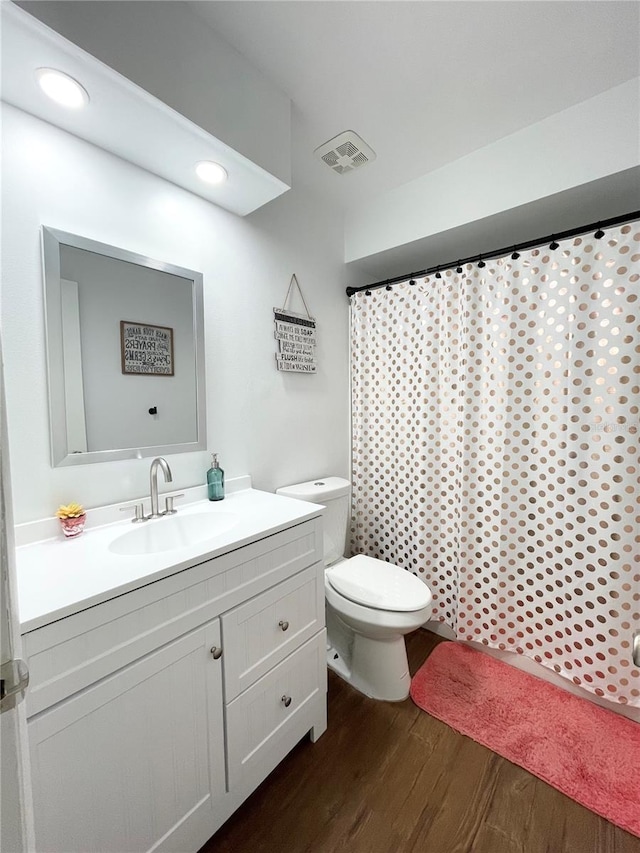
{"type": "Point", "coordinates": [345, 152]}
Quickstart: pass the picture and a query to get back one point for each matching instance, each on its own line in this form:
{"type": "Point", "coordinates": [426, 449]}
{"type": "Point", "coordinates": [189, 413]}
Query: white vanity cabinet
{"type": "Point", "coordinates": [153, 715]}
{"type": "Point", "coordinates": [136, 760]}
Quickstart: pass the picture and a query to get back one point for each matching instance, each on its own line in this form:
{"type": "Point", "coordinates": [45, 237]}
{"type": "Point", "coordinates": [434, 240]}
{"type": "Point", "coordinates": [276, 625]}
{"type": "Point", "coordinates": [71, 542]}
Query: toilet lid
{"type": "Point", "coordinates": [377, 584]}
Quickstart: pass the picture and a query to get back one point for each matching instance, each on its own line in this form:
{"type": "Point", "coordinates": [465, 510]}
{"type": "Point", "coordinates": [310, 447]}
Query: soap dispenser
{"type": "Point", "coordinates": [215, 480]}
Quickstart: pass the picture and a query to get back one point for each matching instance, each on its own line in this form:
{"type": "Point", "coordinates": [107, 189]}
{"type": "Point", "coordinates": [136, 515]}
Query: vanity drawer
{"type": "Point", "coordinates": [74, 652]}
{"type": "Point", "coordinates": [263, 725]}
{"type": "Point", "coordinates": [260, 633]}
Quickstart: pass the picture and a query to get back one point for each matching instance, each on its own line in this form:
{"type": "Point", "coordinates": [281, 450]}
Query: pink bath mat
{"type": "Point", "coordinates": [589, 753]}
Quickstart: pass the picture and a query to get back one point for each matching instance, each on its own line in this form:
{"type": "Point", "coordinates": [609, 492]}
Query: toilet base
{"type": "Point", "coordinates": [378, 667]}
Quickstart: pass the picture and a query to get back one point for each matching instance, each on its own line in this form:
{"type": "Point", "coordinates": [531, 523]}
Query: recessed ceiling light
{"type": "Point", "coordinates": [62, 89]}
{"type": "Point", "coordinates": [210, 172]}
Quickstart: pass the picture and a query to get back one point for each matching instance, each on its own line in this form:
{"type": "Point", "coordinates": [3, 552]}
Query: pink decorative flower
{"type": "Point", "coordinates": [73, 525]}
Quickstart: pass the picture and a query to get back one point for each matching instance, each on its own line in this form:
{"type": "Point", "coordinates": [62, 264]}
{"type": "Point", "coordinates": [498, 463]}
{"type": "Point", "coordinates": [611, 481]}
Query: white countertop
{"type": "Point", "coordinates": [58, 577]}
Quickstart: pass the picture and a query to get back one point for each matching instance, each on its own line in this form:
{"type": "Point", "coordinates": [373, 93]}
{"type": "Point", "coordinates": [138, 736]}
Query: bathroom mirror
{"type": "Point", "coordinates": [125, 353]}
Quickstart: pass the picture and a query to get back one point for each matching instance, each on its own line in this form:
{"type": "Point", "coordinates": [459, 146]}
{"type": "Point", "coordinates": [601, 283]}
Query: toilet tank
{"type": "Point", "coordinates": [333, 493]}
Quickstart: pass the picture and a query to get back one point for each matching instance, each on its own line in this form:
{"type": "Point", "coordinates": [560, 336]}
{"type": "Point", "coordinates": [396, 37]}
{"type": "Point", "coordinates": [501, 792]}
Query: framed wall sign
{"type": "Point", "coordinates": [296, 336]}
{"type": "Point", "coordinates": [146, 349]}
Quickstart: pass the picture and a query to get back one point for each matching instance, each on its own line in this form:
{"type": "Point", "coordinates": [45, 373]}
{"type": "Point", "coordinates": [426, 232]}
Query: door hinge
{"type": "Point", "coordinates": [14, 678]}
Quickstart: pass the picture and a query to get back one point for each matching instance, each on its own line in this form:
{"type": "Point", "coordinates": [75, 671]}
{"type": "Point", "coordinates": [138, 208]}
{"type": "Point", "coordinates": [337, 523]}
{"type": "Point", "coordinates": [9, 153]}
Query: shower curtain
{"type": "Point", "coordinates": [495, 450]}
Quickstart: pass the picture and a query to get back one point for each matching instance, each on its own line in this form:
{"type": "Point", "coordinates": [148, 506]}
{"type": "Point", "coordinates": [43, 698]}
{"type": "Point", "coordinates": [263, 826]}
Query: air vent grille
{"type": "Point", "coordinates": [345, 152]}
{"type": "Point", "coordinates": [331, 158]}
{"type": "Point", "coordinates": [360, 159]}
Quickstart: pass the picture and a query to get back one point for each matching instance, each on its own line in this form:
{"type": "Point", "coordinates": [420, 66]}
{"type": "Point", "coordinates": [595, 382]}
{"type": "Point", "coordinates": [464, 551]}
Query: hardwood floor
{"type": "Point", "coordinates": [388, 778]}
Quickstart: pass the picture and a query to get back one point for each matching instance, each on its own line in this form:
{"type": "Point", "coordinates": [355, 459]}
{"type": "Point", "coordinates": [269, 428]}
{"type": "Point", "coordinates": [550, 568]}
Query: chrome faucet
{"type": "Point", "coordinates": [153, 476]}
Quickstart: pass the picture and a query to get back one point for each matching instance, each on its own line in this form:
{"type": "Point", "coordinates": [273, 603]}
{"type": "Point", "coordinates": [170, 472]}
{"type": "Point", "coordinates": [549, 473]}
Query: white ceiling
{"type": "Point", "coordinates": [422, 82]}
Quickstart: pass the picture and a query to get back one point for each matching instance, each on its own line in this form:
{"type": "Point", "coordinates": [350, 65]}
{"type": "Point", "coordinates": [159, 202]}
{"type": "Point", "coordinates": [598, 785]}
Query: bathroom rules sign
{"type": "Point", "coordinates": [146, 349]}
{"type": "Point", "coordinates": [296, 336]}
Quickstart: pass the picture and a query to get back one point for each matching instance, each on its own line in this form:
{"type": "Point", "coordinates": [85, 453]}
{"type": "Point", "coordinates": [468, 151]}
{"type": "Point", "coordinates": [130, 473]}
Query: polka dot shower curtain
{"type": "Point", "coordinates": [495, 450]}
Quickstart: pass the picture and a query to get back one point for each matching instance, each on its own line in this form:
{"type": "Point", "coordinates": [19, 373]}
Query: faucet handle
{"type": "Point", "coordinates": [139, 510]}
{"type": "Point", "coordinates": [168, 503]}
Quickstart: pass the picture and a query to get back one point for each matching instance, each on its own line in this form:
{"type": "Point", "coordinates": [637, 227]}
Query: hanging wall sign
{"type": "Point", "coordinates": [146, 349]}
{"type": "Point", "coordinates": [296, 336]}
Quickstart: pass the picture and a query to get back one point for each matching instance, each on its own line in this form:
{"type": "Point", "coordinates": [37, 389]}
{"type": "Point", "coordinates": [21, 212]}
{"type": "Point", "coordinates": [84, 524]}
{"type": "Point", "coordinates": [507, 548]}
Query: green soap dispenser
{"type": "Point", "coordinates": [215, 480]}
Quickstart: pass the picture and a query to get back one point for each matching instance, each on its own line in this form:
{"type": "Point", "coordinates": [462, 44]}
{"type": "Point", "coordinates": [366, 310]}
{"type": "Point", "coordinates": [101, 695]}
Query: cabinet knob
{"type": "Point", "coordinates": [216, 652]}
{"type": "Point", "coordinates": [286, 700]}
{"type": "Point", "coordinates": [283, 624]}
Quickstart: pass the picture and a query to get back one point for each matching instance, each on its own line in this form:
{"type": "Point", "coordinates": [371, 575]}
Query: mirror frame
{"type": "Point", "coordinates": [52, 239]}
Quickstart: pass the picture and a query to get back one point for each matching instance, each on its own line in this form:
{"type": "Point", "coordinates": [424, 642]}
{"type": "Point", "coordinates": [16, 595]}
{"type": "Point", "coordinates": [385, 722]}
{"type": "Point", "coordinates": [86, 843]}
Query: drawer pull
{"type": "Point", "coordinates": [286, 700]}
{"type": "Point", "coordinates": [216, 652]}
{"type": "Point", "coordinates": [283, 624]}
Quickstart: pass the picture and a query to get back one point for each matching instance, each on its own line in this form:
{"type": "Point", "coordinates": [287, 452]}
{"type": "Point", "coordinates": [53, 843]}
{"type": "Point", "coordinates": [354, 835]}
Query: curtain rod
{"type": "Point", "coordinates": [497, 253]}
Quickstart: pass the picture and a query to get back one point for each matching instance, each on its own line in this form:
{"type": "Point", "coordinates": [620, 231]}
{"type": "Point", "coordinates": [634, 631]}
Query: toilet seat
{"type": "Point", "coordinates": [374, 583]}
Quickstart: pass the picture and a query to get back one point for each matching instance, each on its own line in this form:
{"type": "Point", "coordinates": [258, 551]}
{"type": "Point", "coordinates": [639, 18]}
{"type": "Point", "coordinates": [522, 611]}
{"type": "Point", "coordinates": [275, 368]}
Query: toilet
{"type": "Point", "coordinates": [371, 604]}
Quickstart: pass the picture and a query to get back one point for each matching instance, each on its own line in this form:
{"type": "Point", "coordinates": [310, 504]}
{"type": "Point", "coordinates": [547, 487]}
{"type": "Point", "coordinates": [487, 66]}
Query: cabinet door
{"type": "Point", "coordinates": [135, 762]}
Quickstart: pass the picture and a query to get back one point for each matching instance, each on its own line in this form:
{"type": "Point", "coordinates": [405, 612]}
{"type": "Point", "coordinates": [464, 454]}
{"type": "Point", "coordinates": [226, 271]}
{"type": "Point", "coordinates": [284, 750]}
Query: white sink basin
{"type": "Point", "coordinates": [172, 532]}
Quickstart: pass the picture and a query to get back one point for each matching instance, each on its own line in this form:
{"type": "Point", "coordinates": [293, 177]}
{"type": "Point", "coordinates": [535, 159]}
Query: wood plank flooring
{"type": "Point", "coordinates": [388, 778]}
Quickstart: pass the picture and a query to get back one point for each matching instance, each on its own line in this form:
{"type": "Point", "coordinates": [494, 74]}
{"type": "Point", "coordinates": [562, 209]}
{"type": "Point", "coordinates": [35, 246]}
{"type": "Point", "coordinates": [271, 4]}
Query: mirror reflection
{"type": "Point", "coordinates": [125, 352]}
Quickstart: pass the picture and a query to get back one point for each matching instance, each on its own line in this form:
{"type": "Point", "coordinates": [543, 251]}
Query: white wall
{"type": "Point", "coordinates": [596, 138]}
{"type": "Point", "coordinates": [280, 428]}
